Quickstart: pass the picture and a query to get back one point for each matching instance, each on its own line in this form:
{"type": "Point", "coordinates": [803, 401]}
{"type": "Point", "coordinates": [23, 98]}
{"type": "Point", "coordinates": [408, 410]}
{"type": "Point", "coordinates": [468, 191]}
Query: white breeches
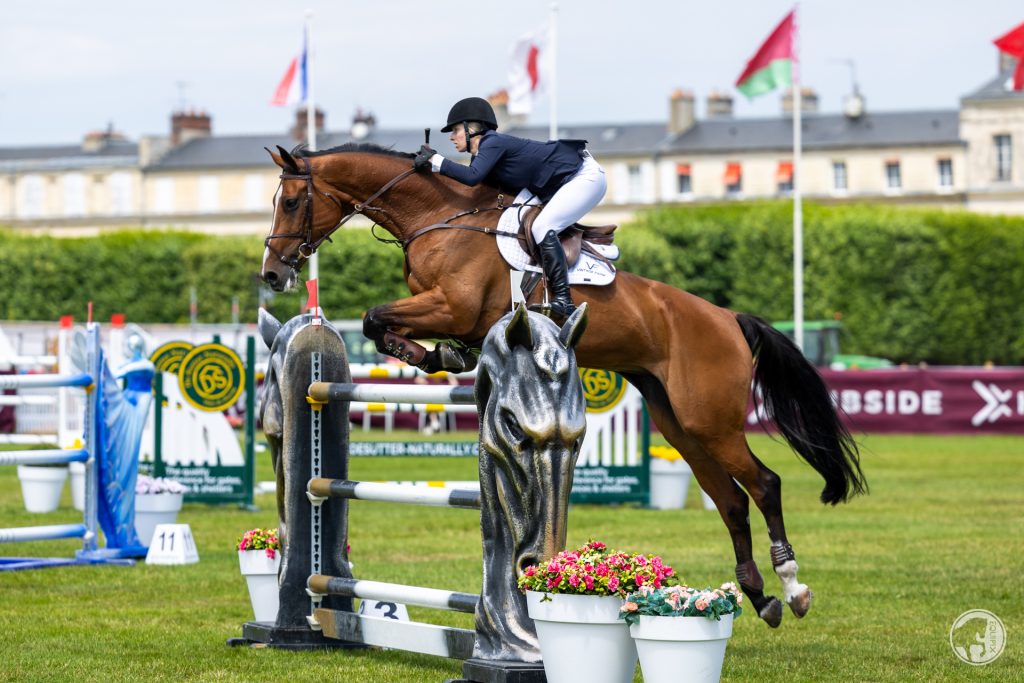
{"type": "Point", "coordinates": [574, 200]}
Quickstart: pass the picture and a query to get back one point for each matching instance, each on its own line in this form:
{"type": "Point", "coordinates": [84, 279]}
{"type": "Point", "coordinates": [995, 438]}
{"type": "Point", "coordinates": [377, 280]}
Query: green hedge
{"type": "Point", "coordinates": [910, 285]}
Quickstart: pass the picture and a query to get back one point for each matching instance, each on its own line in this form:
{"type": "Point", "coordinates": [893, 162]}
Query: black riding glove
{"type": "Point", "coordinates": [422, 160]}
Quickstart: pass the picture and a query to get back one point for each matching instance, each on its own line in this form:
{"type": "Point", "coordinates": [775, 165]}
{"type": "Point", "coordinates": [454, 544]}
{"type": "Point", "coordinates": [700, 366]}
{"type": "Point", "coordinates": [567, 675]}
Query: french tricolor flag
{"type": "Point", "coordinates": [294, 87]}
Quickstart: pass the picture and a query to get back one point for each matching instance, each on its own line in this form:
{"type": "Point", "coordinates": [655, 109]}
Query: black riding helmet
{"type": "Point", "coordinates": [471, 109]}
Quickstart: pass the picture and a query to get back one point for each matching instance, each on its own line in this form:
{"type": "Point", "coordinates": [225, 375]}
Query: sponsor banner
{"type": "Point", "coordinates": [399, 449]}
{"type": "Point", "coordinates": [926, 401]}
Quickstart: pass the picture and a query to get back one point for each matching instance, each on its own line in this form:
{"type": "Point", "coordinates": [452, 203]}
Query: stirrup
{"type": "Point", "coordinates": [554, 309]}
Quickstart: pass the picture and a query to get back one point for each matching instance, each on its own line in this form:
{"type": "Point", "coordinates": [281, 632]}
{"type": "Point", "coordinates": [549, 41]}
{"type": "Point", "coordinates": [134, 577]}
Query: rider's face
{"type": "Point", "coordinates": [458, 137]}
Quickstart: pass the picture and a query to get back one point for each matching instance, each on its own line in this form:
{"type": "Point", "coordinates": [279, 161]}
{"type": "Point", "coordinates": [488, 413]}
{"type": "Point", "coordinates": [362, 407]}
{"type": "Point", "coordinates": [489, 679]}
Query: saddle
{"type": "Point", "coordinates": [576, 239]}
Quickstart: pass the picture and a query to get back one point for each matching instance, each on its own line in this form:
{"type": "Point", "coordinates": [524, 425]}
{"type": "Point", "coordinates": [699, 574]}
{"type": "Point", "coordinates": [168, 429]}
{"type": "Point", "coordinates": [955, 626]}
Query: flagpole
{"type": "Point", "coordinates": [553, 94]}
{"type": "Point", "coordinates": [798, 214]}
{"type": "Point", "coordinates": [314, 260]}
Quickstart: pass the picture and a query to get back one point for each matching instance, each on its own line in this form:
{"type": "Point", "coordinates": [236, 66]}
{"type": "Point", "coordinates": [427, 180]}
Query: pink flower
{"type": "Point", "coordinates": [574, 580]}
{"type": "Point", "coordinates": [552, 583]}
{"type": "Point", "coordinates": [641, 560]}
{"type": "Point", "coordinates": [613, 584]}
{"type": "Point", "coordinates": [554, 567]}
{"type": "Point", "coordinates": [530, 571]}
{"type": "Point", "coordinates": [630, 607]}
{"type": "Point", "coordinates": [602, 570]}
{"type": "Point", "coordinates": [589, 580]}
{"type": "Point", "coordinates": [639, 580]}
{"type": "Point", "coordinates": [270, 553]}
{"type": "Point", "coordinates": [701, 604]}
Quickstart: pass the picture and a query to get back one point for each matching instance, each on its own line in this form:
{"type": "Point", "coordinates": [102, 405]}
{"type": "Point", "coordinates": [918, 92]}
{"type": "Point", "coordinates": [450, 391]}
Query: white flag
{"type": "Point", "coordinates": [528, 71]}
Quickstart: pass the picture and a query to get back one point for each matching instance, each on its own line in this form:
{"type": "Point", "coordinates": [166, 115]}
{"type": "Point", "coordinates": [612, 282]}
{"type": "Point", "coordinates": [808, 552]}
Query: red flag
{"type": "Point", "coordinates": [311, 302]}
{"type": "Point", "coordinates": [1012, 44]}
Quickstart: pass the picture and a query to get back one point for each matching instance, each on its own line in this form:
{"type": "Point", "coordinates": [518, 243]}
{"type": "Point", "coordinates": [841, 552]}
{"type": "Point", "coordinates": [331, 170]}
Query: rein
{"type": "Point", "coordinates": [309, 245]}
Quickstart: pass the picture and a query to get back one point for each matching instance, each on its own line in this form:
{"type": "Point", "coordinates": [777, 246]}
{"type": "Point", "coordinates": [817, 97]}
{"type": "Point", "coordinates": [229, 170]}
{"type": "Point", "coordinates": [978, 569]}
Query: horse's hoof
{"type": "Point", "coordinates": [801, 603]}
{"type": "Point", "coordinates": [772, 612]}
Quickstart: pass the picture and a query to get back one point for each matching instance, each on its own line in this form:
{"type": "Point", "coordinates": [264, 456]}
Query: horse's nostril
{"type": "Point", "coordinates": [270, 276]}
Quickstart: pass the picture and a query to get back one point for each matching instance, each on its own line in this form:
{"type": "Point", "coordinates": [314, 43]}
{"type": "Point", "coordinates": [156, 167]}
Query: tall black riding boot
{"type": "Point", "coordinates": [552, 260]}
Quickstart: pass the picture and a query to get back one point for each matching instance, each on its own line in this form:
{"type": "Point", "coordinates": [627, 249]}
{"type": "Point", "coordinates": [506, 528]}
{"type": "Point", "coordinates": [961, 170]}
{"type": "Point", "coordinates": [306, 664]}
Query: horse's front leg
{"type": "Point", "coordinates": [426, 314]}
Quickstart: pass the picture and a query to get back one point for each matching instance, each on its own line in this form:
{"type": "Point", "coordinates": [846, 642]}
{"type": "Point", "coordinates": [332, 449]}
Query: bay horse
{"type": "Point", "coordinates": [691, 360]}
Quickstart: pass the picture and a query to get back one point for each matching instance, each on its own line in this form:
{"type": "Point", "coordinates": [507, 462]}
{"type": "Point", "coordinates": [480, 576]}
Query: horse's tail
{"type": "Point", "coordinates": [797, 400]}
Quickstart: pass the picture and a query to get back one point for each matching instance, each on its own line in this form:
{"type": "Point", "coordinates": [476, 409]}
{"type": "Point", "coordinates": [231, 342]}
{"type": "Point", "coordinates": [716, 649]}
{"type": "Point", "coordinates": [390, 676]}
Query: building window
{"type": "Point", "coordinates": [893, 181]}
{"type": "Point", "coordinates": [209, 193]}
{"type": "Point", "coordinates": [636, 182]}
{"type": "Point", "coordinates": [839, 181]}
{"type": "Point", "coordinates": [1004, 157]}
{"type": "Point", "coordinates": [784, 177]}
{"type": "Point", "coordinates": [255, 198]}
{"type": "Point", "coordinates": [120, 193]}
{"type": "Point", "coordinates": [733, 178]}
{"type": "Point", "coordinates": [684, 182]}
{"type": "Point", "coordinates": [30, 201]}
{"type": "Point", "coordinates": [74, 194]}
{"type": "Point", "coordinates": [945, 174]}
{"type": "Point", "coordinates": [163, 196]}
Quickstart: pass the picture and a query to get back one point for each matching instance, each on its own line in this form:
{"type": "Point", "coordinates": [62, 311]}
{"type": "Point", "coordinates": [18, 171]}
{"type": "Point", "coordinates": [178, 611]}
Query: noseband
{"type": "Point", "coordinates": [309, 245]}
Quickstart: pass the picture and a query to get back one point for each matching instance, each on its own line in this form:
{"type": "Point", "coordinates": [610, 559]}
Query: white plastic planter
{"type": "Point", "coordinates": [260, 573]}
{"type": "Point", "coordinates": [670, 482]}
{"type": "Point", "coordinates": [77, 470]}
{"type": "Point", "coordinates": [41, 487]}
{"type": "Point", "coordinates": [673, 649]}
{"type": "Point", "coordinates": [154, 509]}
{"type": "Point", "coordinates": [582, 638]}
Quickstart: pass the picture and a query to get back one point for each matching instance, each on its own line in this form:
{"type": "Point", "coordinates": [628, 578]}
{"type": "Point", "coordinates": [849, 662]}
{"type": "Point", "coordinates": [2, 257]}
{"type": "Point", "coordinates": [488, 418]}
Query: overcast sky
{"type": "Point", "coordinates": [70, 67]}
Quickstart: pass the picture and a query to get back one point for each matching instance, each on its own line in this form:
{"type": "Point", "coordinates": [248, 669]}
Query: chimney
{"type": "Point", "coordinates": [96, 140]}
{"type": "Point", "coordinates": [189, 125]}
{"type": "Point", "coordinates": [362, 124]}
{"type": "Point", "coordinates": [808, 101]}
{"type": "Point", "coordinates": [299, 130]}
{"type": "Point", "coordinates": [681, 111]}
{"type": "Point", "coordinates": [719, 105]}
{"type": "Point", "coordinates": [499, 102]}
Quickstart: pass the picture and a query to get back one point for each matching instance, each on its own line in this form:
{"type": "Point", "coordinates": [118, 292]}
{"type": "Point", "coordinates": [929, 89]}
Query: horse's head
{"type": "Point", "coordinates": [305, 215]}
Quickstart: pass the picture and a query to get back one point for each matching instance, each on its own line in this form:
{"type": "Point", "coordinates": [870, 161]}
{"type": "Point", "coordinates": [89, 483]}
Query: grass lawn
{"type": "Point", "coordinates": [942, 532]}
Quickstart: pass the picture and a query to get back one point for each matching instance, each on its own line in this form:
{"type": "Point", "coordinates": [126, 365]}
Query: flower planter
{"type": "Point", "coordinates": [77, 470]}
{"type": "Point", "coordinates": [41, 486]}
{"type": "Point", "coordinates": [670, 482]}
{"type": "Point", "coordinates": [260, 574]}
{"type": "Point", "coordinates": [582, 638]}
{"type": "Point", "coordinates": [154, 509]}
{"type": "Point", "coordinates": [673, 649]}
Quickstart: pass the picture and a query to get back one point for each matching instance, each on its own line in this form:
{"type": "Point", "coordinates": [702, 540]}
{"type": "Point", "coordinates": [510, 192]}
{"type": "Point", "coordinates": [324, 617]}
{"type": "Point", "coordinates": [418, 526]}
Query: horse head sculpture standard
{"type": "Point", "coordinates": [532, 419]}
{"type": "Point", "coordinates": [692, 361]}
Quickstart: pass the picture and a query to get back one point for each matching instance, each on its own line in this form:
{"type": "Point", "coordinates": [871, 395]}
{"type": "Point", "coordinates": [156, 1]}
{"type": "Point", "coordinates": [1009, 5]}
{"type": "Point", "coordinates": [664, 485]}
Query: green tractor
{"type": "Point", "coordinates": [821, 346]}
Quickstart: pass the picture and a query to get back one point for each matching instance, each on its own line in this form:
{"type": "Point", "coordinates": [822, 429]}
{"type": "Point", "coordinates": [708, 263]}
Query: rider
{"type": "Point", "coordinates": [561, 173]}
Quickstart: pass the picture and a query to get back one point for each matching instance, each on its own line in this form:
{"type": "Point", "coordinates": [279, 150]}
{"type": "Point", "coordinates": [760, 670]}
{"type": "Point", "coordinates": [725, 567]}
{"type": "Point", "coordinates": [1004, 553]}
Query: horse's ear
{"type": "Point", "coordinates": [289, 161]}
{"type": "Point", "coordinates": [574, 327]}
{"type": "Point", "coordinates": [268, 326]}
{"type": "Point", "coordinates": [518, 331]}
{"type": "Point", "coordinates": [275, 156]}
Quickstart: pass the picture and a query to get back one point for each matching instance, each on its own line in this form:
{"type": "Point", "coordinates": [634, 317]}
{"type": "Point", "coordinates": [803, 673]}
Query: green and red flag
{"type": "Point", "coordinates": [772, 66]}
{"type": "Point", "coordinates": [1013, 44]}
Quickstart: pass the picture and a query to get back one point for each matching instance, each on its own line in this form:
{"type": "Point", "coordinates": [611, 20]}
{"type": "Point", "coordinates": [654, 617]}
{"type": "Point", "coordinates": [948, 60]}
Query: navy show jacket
{"type": "Point", "coordinates": [515, 163]}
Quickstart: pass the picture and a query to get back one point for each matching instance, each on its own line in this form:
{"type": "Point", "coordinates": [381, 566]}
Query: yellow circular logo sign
{"type": "Point", "coordinates": [211, 377]}
{"type": "Point", "coordinates": [168, 357]}
{"type": "Point", "coordinates": [602, 389]}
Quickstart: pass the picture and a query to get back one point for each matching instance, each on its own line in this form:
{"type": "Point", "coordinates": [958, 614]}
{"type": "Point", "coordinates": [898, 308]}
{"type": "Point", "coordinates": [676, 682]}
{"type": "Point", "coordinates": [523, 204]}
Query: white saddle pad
{"type": "Point", "coordinates": [588, 270]}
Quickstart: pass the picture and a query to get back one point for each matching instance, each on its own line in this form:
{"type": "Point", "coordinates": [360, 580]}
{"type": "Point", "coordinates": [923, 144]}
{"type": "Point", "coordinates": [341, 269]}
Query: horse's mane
{"type": "Point", "coordinates": [368, 147]}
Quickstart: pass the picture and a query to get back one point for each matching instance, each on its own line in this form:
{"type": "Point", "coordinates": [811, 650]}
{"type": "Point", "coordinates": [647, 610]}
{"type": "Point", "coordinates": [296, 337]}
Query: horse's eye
{"type": "Point", "coordinates": [515, 431]}
{"type": "Point", "coordinates": [291, 203]}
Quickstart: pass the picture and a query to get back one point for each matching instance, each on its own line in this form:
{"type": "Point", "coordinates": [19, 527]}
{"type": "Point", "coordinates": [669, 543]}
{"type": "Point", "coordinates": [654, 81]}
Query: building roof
{"type": "Point", "coordinates": [605, 138]}
{"type": "Point", "coordinates": [820, 131]}
{"type": "Point", "coordinates": [996, 89]}
{"type": "Point", "coordinates": [54, 157]}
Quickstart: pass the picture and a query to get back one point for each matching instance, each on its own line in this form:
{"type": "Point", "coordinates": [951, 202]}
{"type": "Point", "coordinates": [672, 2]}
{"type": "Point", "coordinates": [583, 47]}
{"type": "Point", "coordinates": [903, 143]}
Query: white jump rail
{"type": "Point", "coordinates": [87, 531]}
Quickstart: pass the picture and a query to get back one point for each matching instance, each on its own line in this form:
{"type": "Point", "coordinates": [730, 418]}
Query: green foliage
{"type": "Point", "coordinates": [911, 285]}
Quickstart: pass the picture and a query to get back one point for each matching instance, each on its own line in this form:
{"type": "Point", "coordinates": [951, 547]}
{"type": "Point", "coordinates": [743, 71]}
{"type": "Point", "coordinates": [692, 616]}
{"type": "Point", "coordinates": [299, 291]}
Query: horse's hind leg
{"type": "Point", "coordinates": [765, 487]}
{"type": "Point", "coordinates": [731, 501]}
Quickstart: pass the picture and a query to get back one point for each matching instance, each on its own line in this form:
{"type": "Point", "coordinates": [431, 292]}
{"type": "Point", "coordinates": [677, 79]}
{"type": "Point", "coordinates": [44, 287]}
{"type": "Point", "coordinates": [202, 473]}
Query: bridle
{"type": "Point", "coordinates": [309, 245]}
